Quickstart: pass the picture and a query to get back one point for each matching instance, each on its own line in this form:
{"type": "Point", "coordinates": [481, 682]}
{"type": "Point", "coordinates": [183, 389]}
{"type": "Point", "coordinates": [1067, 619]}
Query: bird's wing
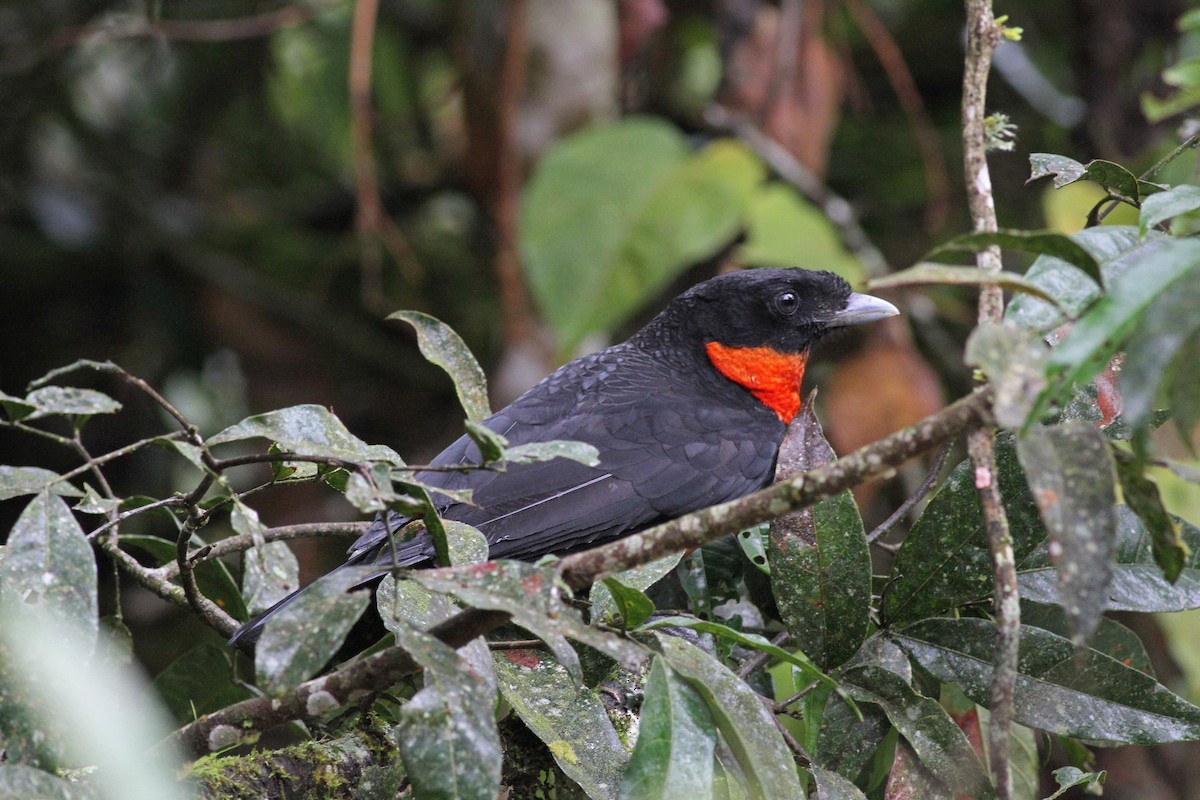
{"type": "Point", "coordinates": [663, 452]}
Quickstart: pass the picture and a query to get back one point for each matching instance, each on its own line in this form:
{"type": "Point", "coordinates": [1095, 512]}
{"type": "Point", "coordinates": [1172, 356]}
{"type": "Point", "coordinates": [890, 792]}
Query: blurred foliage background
{"type": "Point", "coordinates": [227, 198]}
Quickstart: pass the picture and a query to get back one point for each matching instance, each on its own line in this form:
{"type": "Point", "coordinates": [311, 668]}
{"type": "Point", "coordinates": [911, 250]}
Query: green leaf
{"type": "Point", "coordinates": [18, 780]}
{"type": "Point", "coordinates": [832, 786]}
{"type": "Point", "coordinates": [530, 594]}
{"type": "Point", "coordinates": [1064, 170]}
{"type": "Point", "coordinates": [1157, 356]}
{"type": "Point", "coordinates": [92, 502]}
{"type": "Point", "coordinates": [1071, 474]}
{"type": "Point", "coordinates": [612, 214]}
{"type": "Point", "coordinates": [945, 561]}
{"type": "Point", "coordinates": [20, 481]}
{"type": "Point", "coordinates": [15, 407]}
{"type": "Point", "coordinates": [447, 732]}
{"type": "Point", "coordinates": [751, 640]}
{"type": "Point", "coordinates": [1115, 179]}
{"type": "Point", "coordinates": [640, 578]}
{"type": "Point", "coordinates": [1111, 637]}
{"type": "Point", "coordinates": [633, 605]}
{"type": "Point", "coordinates": [1047, 243]}
{"type": "Point", "coordinates": [1142, 497]}
{"type": "Point", "coordinates": [1105, 327]}
{"type": "Point", "coordinates": [846, 743]}
{"type": "Point", "coordinates": [940, 744]}
{"type": "Point", "coordinates": [785, 230]}
{"type": "Point", "coordinates": [928, 273]}
{"type": "Point", "coordinates": [303, 635]}
{"type": "Point", "coordinates": [1138, 583]}
{"type": "Point", "coordinates": [70, 400]}
{"type": "Point", "coordinates": [1068, 777]}
{"type": "Point", "coordinates": [442, 346]}
{"type": "Point", "coordinates": [569, 719]}
{"type": "Point", "coordinates": [1060, 688]}
{"type": "Point", "coordinates": [270, 572]}
{"type": "Point", "coordinates": [1165, 205]}
{"type": "Point", "coordinates": [199, 682]}
{"type": "Point", "coordinates": [677, 737]}
{"type": "Point", "coordinates": [743, 721]}
{"type": "Point", "coordinates": [309, 430]}
{"type": "Point", "coordinates": [1014, 359]}
{"type": "Point", "coordinates": [49, 566]}
{"type": "Point", "coordinates": [582, 452]}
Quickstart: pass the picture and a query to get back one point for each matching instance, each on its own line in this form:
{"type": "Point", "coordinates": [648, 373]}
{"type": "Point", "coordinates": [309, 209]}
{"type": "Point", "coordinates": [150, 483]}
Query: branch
{"type": "Point", "coordinates": [982, 38]}
{"type": "Point", "coordinates": [308, 701]}
{"type": "Point", "coordinates": [238, 544]}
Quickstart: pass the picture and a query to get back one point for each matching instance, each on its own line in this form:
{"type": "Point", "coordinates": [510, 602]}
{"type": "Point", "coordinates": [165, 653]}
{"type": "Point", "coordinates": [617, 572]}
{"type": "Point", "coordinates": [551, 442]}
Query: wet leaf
{"type": "Point", "coordinates": [942, 274]}
{"type": "Point", "coordinates": [440, 345]}
{"type": "Point", "coordinates": [92, 502]}
{"type": "Point", "coordinates": [1014, 360]}
{"type": "Point", "coordinates": [832, 786]}
{"type": "Point", "coordinates": [1138, 583]}
{"type": "Point", "coordinates": [300, 638]}
{"type": "Point", "coordinates": [1165, 205]}
{"type": "Point", "coordinates": [569, 719]}
{"type": "Point", "coordinates": [1071, 474]}
{"type": "Point", "coordinates": [489, 443]}
{"type": "Point", "coordinates": [945, 561]}
{"type": "Point", "coordinates": [1111, 637]}
{"type": "Point", "coordinates": [641, 578]}
{"type": "Point", "coordinates": [1048, 243]}
{"type": "Point", "coordinates": [447, 732]}
{"type": "Point", "coordinates": [820, 560]}
{"type": "Point", "coordinates": [846, 743]}
{"type": "Point", "coordinates": [939, 743]}
{"type": "Point", "coordinates": [1115, 179]}
{"type": "Point", "coordinates": [743, 721]}
{"type": "Point", "coordinates": [15, 407]}
{"type": "Point", "coordinates": [1060, 688]}
{"type": "Point", "coordinates": [70, 400]}
{"type": "Point", "coordinates": [20, 481]}
{"type": "Point", "coordinates": [49, 566]}
{"type": "Point", "coordinates": [677, 738]}
{"type": "Point", "coordinates": [531, 595]}
{"type": "Point", "coordinates": [270, 573]}
{"type": "Point", "coordinates": [582, 452]}
{"type": "Point", "coordinates": [309, 430]}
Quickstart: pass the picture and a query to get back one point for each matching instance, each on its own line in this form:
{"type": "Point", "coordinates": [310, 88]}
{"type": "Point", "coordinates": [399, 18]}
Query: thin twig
{"type": "Point", "coordinates": [982, 37]}
{"type": "Point", "coordinates": [935, 469]}
{"type": "Point", "coordinates": [760, 658]}
{"type": "Point", "coordinates": [283, 533]}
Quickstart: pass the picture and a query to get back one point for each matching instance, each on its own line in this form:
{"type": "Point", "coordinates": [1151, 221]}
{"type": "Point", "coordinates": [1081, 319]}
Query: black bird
{"type": "Point", "coordinates": [688, 412]}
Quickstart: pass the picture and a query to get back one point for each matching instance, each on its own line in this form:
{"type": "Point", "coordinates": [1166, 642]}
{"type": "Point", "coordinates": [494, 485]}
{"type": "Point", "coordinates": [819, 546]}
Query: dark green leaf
{"type": "Point", "coordinates": [711, 576]}
{"type": "Point", "coordinates": [1048, 243]}
{"type": "Point", "coordinates": [582, 452]}
{"type": "Point", "coordinates": [1142, 497]}
{"type": "Point", "coordinates": [569, 719]}
{"type": "Point", "coordinates": [442, 346]}
{"type": "Point", "coordinates": [632, 604]}
{"type": "Point", "coordinates": [1065, 170]}
{"type": "Point", "coordinates": [491, 444]}
{"type": "Point", "coordinates": [302, 636]}
{"type": "Point", "coordinates": [1070, 471]}
{"type": "Point", "coordinates": [677, 737]}
{"type": "Point", "coordinates": [745, 724]}
{"type": "Point", "coordinates": [1060, 688]}
{"type": "Point", "coordinates": [942, 274]}
{"type": "Point", "coordinates": [614, 212]}
{"type": "Point", "coordinates": [20, 481]}
{"type": "Point", "coordinates": [49, 565]}
{"type": "Point", "coordinates": [1111, 637]}
{"type": "Point", "coordinates": [15, 407]}
{"type": "Point", "coordinates": [940, 744]}
{"type": "Point", "coordinates": [1138, 583]}
{"type": "Point", "coordinates": [70, 400]}
{"type": "Point", "coordinates": [307, 429]}
{"type": "Point", "coordinates": [846, 743]}
{"type": "Point", "coordinates": [1171, 203]}
{"type": "Point", "coordinates": [1115, 179]}
{"type": "Point", "coordinates": [199, 682]}
{"type": "Point", "coordinates": [945, 561]}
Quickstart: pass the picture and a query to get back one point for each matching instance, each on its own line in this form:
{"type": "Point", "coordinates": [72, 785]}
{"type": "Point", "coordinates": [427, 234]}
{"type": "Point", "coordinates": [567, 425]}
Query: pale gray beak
{"type": "Point", "coordinates": [862, 308]}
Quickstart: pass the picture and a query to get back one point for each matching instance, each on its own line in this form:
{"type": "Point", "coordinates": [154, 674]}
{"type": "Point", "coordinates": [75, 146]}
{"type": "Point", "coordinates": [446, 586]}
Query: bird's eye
{"type": "Point", "coordinates": [786, 303]}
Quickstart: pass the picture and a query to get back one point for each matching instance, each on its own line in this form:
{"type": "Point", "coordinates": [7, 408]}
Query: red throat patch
{"type": "Point", "coordinates": [771, 376]}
